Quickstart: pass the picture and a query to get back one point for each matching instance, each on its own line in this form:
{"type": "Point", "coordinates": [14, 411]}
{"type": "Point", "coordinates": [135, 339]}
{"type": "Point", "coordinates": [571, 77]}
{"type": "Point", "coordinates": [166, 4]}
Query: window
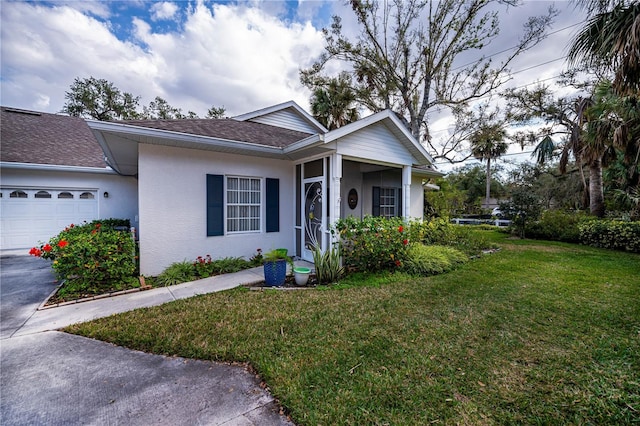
{"type": "Point", "coordinates": [388, 202]}
{"type": "Point", "coordinates": [86, 196]}
{"type": "Point", "coordinates": [243, 204]}
{"type": "Point", "coordinates": [18, 194]}
{"type": "Point", "coordinates": [65, 195]}
{"type": "Point", "coordinates": [42, 194]}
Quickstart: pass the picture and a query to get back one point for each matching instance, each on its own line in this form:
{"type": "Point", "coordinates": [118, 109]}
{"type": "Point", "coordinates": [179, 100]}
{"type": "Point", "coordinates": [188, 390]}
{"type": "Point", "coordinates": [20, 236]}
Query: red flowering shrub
{"type": "Point", "coordinates": [91, 253]}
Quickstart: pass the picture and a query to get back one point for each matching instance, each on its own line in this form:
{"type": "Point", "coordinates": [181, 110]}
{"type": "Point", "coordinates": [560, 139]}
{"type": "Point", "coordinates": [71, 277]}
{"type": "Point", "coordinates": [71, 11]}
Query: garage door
{"type": "Point", "coordinates": [29, 216]}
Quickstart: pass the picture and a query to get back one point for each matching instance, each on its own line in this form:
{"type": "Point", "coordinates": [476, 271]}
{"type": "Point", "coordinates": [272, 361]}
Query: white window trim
{"type": "Point", "coordinates": [227, 204]}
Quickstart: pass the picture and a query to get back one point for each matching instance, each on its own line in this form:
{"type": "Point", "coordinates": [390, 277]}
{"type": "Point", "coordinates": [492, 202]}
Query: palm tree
{"type": "Point", "coordinates": [488, 143]}
{"type": "Point", "coordinates": [333, 104]}
{"type": "Point", "coordinates": [611, 39]}
{"type": "Point", "coordinates": [614, 123]}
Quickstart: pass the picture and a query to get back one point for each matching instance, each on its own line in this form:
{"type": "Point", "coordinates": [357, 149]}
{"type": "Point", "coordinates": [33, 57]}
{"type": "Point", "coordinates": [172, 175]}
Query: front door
{"type": "Point", "coordinates": [313, 217]}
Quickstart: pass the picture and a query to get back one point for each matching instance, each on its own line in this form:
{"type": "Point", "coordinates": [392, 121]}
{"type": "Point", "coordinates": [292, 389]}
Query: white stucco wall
{"type": "Point", "coordinates": [123, 191]}
{"type": "Point", "coordinates": [172, 187]}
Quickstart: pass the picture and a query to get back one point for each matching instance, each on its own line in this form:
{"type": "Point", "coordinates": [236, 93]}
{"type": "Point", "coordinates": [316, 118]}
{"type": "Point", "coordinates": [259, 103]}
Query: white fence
{"type": "Point", "coordinates": [496, 222]}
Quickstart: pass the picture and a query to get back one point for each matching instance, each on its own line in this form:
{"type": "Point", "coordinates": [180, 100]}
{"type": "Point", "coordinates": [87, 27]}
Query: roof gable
{"type": "Point", "coordinates": [288, 115]}
{"type": "Point", "coordinates": [392, 125]}
{"type": "Point", "coordinates": [40, 138]}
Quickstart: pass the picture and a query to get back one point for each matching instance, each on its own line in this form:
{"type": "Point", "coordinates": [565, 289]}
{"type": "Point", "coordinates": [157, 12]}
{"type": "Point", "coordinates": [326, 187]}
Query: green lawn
{"type": "Point", "coordinates": [538, 333]}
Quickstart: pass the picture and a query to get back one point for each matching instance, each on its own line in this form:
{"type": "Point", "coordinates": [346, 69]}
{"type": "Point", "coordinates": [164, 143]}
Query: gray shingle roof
{"type": "Point", "coordinates": [245, 131]}
{"type": "Point", "coordinates": [41, 138]}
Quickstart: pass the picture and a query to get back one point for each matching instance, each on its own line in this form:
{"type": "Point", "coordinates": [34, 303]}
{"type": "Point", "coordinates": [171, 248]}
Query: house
{"type": "Point", "coordinates": [273, 178]}
{"type": "Point", "coordinates": [53, 174]}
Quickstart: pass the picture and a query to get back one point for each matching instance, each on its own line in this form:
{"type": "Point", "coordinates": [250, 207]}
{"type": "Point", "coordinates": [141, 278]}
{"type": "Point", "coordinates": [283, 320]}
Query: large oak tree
{"type": "Point", "coordinates": [413, 57]}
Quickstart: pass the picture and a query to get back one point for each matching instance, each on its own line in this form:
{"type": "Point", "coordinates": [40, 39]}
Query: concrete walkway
{"type": "Point", "coordinates": [62, 316]}
{"type": "Point", "coordinates": [50, 377]}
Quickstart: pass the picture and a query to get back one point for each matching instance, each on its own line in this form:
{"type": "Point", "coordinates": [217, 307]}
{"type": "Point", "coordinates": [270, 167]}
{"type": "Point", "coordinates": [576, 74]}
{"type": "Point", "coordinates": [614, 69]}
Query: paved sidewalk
{"type": "Point", "coordinates": [62, 316]}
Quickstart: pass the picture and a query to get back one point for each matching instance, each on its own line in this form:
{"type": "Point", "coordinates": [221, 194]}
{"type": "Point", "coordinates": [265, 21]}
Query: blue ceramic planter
{"type": "Point", "coordinates": [275, 272]}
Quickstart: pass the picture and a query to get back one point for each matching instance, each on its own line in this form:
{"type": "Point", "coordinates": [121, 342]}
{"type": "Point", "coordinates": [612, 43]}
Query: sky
{"type": "Point", "coordinates": [242, 55]}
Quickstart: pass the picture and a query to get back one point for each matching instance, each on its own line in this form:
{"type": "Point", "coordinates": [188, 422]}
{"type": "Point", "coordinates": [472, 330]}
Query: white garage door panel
{"type": "Point", "coordinates": [87, 208]}
{"type": "Point", "coordinates": [43, 225]}
{"type": "Point", "coordinates": [19, 241]}
{"type": "Point", "coordinates": [28, 221]}
{"type": "Point", "coordinates": [65, 209]}
{"type": "Point", "coordinates": [15, 209]}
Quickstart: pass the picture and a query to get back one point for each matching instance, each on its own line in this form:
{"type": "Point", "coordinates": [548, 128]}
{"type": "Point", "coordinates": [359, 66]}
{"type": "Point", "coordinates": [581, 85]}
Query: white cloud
{"type": "Point", "coordinates": [164, 10]}
{"type": "Point", "coordinates": [239, 57]}
{"type": "Point", "coordinates": [242, 57]}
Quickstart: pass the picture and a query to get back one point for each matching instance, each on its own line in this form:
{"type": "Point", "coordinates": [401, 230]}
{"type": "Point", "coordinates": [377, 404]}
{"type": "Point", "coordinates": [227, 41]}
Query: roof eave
{"type": "Point", "coordinates": [54, 167]}
{"type": "Point", "coordinates": [312, 140]}
{"type": "Point", "coordinates": [426, 172]}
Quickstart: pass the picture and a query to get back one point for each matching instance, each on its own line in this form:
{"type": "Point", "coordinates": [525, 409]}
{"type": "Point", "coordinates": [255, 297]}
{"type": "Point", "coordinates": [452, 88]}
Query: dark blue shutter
{"type": "Point", "coordinates": [215, 205]}
{"type": "Point", "coordinates": [272, 193]}
{"type": "Point", "coordinates": [375, 211]}
{"type": "Point", "coordinates": [399, 203]}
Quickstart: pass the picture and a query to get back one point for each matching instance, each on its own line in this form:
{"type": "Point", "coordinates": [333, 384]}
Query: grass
{"type": "Point", "coordinates": [537, 333]}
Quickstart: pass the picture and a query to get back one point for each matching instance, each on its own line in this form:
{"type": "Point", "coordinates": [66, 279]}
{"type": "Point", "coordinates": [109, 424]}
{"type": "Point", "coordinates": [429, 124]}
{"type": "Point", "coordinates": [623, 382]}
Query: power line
{"type": "Point", "coordinates": [538, 65]}
{"type": "Point", "coordinates": [514, 47]}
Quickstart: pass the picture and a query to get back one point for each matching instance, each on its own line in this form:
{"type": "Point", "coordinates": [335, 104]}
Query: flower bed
{"type": "Point", "coordinates": [92, 259]}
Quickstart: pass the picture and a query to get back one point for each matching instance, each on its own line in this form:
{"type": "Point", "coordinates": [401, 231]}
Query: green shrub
{"type": "Point", "coordinates": [432, 260]}
{"type": "Point", "coordinates": [469, 239]}
{"type": "Point", "coordinates": [228, 265]}
{"type": "Point", "coordinates": [556, 225]}
{"type": "Point", "coordinates": [435, 231]}
{"type": "Point", "coordinates": [373, 243]}
{"type": "Point", "coordinates": [611, 234]}
{"type": "Point", "coordinates": [206, 267]}
{"type": "Point", "coordinates": [176, 273]}
{"type": "Point", "coordinates": [91, 254]}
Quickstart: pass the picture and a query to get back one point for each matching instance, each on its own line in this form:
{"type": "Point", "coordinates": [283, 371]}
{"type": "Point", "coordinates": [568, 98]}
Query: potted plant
{"type": "Point", "coordinates": [275, 267]}
{"type": "Point", "coordinates": [301, 275]}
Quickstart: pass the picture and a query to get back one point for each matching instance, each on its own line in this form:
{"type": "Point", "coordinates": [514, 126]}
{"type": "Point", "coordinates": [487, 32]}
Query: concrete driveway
{"type": "Point", "coordinates": [25, 282]}
{"type": "Point", "coordinates": [56, 378]}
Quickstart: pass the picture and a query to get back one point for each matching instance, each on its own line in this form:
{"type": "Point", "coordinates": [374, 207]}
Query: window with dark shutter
{"type": "Point", "coordinates": [387, 202]}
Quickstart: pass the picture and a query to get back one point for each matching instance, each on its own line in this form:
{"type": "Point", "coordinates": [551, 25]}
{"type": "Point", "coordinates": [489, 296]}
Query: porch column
{"type": "Point", "coordinates": [336, 177]}
{"type": "Point", "coordinates": [406, 191]}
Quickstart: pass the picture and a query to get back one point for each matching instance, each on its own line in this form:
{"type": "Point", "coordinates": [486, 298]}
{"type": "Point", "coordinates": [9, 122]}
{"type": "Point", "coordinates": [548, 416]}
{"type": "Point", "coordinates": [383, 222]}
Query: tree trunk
{"type": "Point", "coordinates": [488, 192]}
{"type": "Point", "coordinates": [596, 193]}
